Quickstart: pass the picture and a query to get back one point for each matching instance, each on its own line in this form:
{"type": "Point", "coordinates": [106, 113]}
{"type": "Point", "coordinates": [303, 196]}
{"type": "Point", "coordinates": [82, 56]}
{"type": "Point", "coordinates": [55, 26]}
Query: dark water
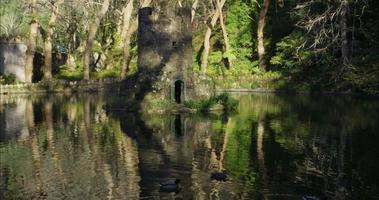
{"type": "Point", "coordinates": [275, 147]}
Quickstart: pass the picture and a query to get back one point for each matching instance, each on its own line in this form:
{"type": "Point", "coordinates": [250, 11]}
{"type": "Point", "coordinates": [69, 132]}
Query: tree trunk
{"type": "Point", "coordinates": [260, 34]}
{"type": "Point", "coordinates": [127, 54]}
{"type": "Point", "coordinates": [91, 37]}
{"type": "Point", "coordinates": [31, 44]}
{"type": "Point", "coordinates": [193, 10]}
{"type": "Point", "coordinates": [204, 61]}
{"type": "Point", "coordinates": [207, 38]}
{"type": "Point", "coordinates": [127, 12]}
{"type": "Point", "coordinates": [126, 36]}
{"type": "Point", "coordinates": [145, 3]}
{"type": "Point", "coordinates": [48, 41]}
{"type": "Point", "coordinates": [344, 40]}
{"type": "Point", "coordinates": [224, 33]}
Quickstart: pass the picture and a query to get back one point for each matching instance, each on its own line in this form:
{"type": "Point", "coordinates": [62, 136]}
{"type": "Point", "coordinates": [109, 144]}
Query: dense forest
{"type": "Point", "coordinates": [306, 45]}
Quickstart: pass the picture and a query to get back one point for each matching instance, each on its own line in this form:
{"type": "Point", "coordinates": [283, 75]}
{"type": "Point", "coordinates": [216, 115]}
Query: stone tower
{"type": "Point", "coordinates": [165, 54]}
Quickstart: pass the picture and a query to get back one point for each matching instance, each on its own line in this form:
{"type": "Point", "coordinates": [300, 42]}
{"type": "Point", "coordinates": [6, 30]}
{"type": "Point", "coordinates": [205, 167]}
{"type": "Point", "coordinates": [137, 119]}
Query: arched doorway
{"type": "Point", "coordinates": [178, 90]}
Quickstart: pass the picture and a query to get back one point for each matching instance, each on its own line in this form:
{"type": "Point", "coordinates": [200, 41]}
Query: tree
{"type": "Point", "coordinates": [225, 35]}
{"type": "Point", "coordinates": [93, 27]}
{"type": "Point", "coordinates": [129, 28]}
{"type": "Point", "coordinates": [48, 39]}
{"type": "Point", "coordinates": [11, 19]}
{"type": "Point", "coordinates": [34, 25]}
{"type": "Point", "coordinates": [345, 57]}
{"type": "Point", "coordinates": [322, 32]}
{"type": "Point", "coordinates": [260, 34]}
{"type": "Point", "coordinates": [193, 9]}
{"type": "Point", "coordinates": [207, 37]}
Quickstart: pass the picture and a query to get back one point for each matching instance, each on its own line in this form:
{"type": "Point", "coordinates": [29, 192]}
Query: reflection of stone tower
{"type": "Point", "coordinates": [165, 53]}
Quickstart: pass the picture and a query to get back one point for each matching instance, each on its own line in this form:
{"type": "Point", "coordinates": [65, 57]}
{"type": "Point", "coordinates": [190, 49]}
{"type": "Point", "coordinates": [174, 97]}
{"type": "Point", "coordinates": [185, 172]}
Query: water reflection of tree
{"type": "Point", "coordinates": [115, 154]}
{"type": "Point", "coordinates": [261, 158]}
{"type": "Point", "coordinates": [48, 113]}
{"type": "Point", "coordinates": [217, 157]}
{"type": "Point", "coordinates": [310, 143]}
{"type": "Point", "coordinates": [66, 150]}
{"type": "Point", "coordinates": [37, 164]}
{"type": "Point", "coordinates": [302, 145]}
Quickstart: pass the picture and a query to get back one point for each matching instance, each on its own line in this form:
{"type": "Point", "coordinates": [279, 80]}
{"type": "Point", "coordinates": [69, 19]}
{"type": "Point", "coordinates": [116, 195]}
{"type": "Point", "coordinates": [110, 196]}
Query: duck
{"type": "Point", "coordinates": [170, 186]}
{"type": "Point", "coordinates": [218, 176]}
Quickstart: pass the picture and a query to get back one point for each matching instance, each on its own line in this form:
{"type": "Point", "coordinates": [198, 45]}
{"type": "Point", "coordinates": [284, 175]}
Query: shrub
{"type": "Point", "coordinates": [7, 79]}
{"type": "Point", "coordinates": [68, 74]}
{"type": "Point", "coordinates": [204, 105]}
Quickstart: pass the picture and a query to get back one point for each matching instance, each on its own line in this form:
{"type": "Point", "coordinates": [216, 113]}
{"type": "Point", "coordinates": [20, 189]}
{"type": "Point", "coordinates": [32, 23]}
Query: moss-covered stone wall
{"type": "Point", "coordinates": [165, 54]}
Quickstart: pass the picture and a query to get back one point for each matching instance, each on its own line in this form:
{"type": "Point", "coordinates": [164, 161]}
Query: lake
{"type": "Point", "coordinates": [273, 147]}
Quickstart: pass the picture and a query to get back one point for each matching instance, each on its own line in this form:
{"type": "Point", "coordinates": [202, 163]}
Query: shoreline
{"type": "Point", "coordinates": [108, 85]}
{"type": "Point", "coordinates": [291, 92]}
{"type": "Point", "coordinates": [61, 87]}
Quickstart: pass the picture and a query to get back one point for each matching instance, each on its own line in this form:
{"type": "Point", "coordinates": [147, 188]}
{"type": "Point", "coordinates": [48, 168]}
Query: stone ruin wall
{"type": "Point", "coordinates": [12, 59]}
{"type": "Point", "coordinates": [165, 52]}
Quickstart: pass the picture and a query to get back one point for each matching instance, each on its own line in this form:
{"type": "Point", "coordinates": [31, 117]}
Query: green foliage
{"type": "Point", "coordinates": [239, 149]}
{"type": "Point", "coordinates": [239, 26]}
{"type": "Point", "coordinates": [250, 80]}
{"type": "Point", "coordinates": [12, 19]}
{"type": "Point", "coordinates": [364, 79]}
{"type": "Point", "coordinates": [294, 60]}
{"type": "Point", "coordinates": [7, 79]}
{"type": "Point", "coordinates": [205, 105]}
{"type": "Point", "coordinates": [69, 74]}
{"type": "Point", "coordinates": [289, 54]}
{"type": "Point", "coordinates": [113, 72]}
{"type": "Point", "coordinates": [10, 25]}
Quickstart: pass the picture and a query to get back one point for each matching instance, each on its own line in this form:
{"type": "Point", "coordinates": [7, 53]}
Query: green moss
{"type": "Point", "coordinates": [158, 105]}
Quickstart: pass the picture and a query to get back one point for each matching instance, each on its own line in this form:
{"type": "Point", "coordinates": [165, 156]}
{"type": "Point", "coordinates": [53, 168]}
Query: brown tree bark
{"type": "Point", "coordinates": [224, 33]}
{"type": "Point", "coordinates": [260, 34]}
{"type": "Point", "coordinates": [34, 25]}
{"type": "Point", "coordinates": [127, 32]}
{"type": "Point", "coordinates": [207, 46]}
{"type": "Point", "coordinates": [145, 3]}
{"type": "Point", "coordinates": [127, 12]}
{"type": "Point", "coordinates": [94, 26]}
{"type": "Point", "coordinates": [193, 10]}
{"type": "Point", "coordinates": [208, 34]}
{"type": "Point", "coordinates": [48, 40]}
{"type": "Point", "coordinates": [345, 61]}
{"type": "Point", "coordinates": [127, 54]}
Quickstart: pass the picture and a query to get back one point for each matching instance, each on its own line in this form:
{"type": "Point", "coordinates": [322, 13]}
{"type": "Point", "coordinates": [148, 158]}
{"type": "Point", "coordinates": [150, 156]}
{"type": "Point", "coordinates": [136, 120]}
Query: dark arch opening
{"type": "Point", "coordinates": [178, 92]}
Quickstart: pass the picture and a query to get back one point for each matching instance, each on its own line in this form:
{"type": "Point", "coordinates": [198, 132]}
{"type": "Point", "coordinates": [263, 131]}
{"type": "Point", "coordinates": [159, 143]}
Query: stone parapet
{"type": "Point", "coordinates": [61, 87]}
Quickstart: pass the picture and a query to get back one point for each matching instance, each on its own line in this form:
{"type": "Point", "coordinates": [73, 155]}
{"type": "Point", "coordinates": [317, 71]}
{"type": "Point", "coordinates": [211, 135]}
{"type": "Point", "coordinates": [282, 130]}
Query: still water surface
{"type": "Point", "coordinates": [274, 147]}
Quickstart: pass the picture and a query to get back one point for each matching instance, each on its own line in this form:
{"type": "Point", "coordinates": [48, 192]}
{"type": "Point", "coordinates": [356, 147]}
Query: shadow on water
{"type": "Point", "coordinates": [275, 147]}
